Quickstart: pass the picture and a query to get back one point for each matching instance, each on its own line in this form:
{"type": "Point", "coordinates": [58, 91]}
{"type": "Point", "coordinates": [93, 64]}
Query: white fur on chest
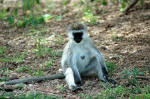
{"type": "Point", "coordinates": [82, 56]}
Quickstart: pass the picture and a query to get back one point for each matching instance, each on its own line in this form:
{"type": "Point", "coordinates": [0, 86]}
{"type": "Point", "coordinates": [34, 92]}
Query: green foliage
{"type": "Point", "coordinates": [11, 19]}
{"type": "Point", "coordinates": [111, 67]}
{"type": "Point", "coordinates": [49, 63]}
{"type": "Point", "coordinates": [2, 50]}
{"type": "Point", "coordinates": [123, 4]}
{"type": "Point", "coordinates": [40, 49]}
{"type": "Point", "coordinates": [131, 75]}
{"type": "Point", "coordinates": [3, 14]}
{"type": "Point", "coordinates": [21, 69]}
{"type": "Point", "coordinates": [141, 2]}
{"type": "Point", "coordinates": [104, 2]}
{"type": "Point", "coordinates": [6, 72]}
{"type": "Point", "coordinates": [15, 12]}
{"type": "Point", "coordinates": [15, 59]}
{"type": "Point", "coordinates": [29, 95]}
{"type": "Point", "coordinates": [28, 4]}
{"type": "Point", "coordinates": [88, 96]}
{"type": "Point", "coordinates": [65, 2]}
{"type": "Point", "coordinates": [113, 93]}
{"type": "Point", "coordinates": [61, 88]}
{"type": "Point", "coordinates": [30, 20]}
{"type": "Point", "coordinates": [59, 18]}
{"type": "Point", "coordinates": [59, 39]}
{"type": "Point", "coordinates": [89, 17]}
{"type": "Point", "coordinates": [47, 17]}
{"type": "Point", "coordinates": [39, 72]}
{"type": "Point", "coordinates": [18, 59]}
{"type": "Point", "coordinates": [59, 53]}
{"type": "Point", "coordinates": [31, 71]}
{"type": "Point", "coordinates": [27, 20]}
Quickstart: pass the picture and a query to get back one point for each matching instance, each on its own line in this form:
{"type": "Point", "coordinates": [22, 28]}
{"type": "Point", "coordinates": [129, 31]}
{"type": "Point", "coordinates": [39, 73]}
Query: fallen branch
{"type": "Point", "coordinates": [130, 6]}
{"type": "Point", "coordinates": [36, 79]}
{"type": "Point", "coordinates": [143, 78]}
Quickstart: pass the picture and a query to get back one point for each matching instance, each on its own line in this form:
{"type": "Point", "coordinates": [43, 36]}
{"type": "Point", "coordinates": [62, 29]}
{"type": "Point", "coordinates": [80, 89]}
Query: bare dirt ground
{"type": "Point", "coordinates": [123, 40]}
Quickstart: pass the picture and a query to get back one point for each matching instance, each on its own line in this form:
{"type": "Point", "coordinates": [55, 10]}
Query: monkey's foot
{"type": "Point", "coordinates": [108, 79]}
{"type": "Point", "coordinates": [112, 81]}
{"type": "Point", "coordinates": [75, 88]}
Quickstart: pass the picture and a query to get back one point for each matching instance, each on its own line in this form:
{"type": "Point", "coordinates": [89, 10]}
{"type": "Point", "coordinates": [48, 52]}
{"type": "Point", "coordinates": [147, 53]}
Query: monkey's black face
{"type": "Point", "coordinates": [77, 36]}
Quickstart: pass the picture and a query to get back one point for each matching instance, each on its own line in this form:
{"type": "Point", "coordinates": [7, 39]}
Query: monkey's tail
{"type": "Point", "coordinates": [36, 79]}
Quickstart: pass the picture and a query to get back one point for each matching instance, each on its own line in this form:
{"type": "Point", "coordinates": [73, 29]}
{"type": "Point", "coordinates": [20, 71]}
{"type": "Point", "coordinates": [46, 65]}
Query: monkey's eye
{"type": "Point", "coordinates": [77, 36]}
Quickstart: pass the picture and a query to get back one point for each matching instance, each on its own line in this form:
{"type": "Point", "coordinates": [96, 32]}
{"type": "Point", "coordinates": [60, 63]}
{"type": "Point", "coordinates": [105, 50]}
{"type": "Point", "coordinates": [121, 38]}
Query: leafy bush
{"type": "Point", "coordinates": [131, 75]}
{"type": "Point", "coordinates": [111, 67]}
{"type": "Point", "coordinates": [28, 4]}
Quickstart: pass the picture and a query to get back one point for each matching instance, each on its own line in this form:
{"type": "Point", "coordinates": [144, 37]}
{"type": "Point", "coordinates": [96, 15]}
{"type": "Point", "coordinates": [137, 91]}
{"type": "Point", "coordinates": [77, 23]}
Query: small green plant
{"type": "Point", "coordinates": [111, 67]}
{"type": "Point", "coordinates": [37, 95]}
{"type": "Point", "coordinates": [39, 72]}
{"type": "Point", "coordinates": [59, 39]}
{"type": "Point", "coordinates": [14, 59]}
{"type": "Point", "coordinates": [2, 50]}
{"type": "Point", "coordinates": [59, 53]}
{"type": "Point", "coordinates": [11, 20]}
{"type": "Point", "coordinates": [18, 59]}
{"type": "Point", "coordinates": [61, 88]}
{"type": "Point", "coordinates": [29, 95]}
{"type": "Point", "coordinates": [39, 48]}
{"type": "Point", "coordinates": [89, 17]}
{"type": "Point", "coordinates": [104, 2]}
{"type": "Point", "coordinates": [123, 4]}
{"type": "Point", "coordinates": [131, 75]}
{"type": "Point", "coordinates": [28, 4]}
{"type": "Point", "coordinates": [59, 18]}
{"type": "Point", "coordinates": [21, 69]}
{"type": "Point", "coordinates": [113, 93]}
{"type": "Point", "coordinates": [4, 72]}
{"type": "Point", "coordinates": [25, 21]}
{"type": "Point", "coordinates": [47, 17]}
{"type": "Point", "coordinates": [3, 14]}
{"type": "Point", "coordinates": [30, 70]}
{"type": "Point", "coordinates": [88, 96]}
{"type": "Point", "coordinates": [49, 63]}
{"type": "Point", "coordinates": [65, 2]}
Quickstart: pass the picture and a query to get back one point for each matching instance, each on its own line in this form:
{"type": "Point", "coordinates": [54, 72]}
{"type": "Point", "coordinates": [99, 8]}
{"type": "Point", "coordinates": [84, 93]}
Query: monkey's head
{"type": "Point", "coordinates": [77, 32]}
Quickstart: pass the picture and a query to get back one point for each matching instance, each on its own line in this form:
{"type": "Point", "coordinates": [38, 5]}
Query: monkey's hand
{"type": "Point", "coordinates": [75, 88]}
{"type": "Point", "coordinates": [110, 80]}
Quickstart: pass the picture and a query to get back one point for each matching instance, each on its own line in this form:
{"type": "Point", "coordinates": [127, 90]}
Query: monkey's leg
{"type": "Point", "coordinates": [101, 69]}
{"type": "Point", "coordinates": [93, 67]}
{"type": "Point", "coordinates": [90, 68]}
{"type": "Point", "coordinates": [69, 77]}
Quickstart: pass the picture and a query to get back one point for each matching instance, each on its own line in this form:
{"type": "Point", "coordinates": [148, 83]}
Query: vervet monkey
{"type": "Point", "coordinates": [81, 57]}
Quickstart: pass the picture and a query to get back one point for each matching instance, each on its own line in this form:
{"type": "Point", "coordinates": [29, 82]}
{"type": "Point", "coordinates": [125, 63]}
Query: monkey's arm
{"type": "Point", "coordinates": [36, 79]}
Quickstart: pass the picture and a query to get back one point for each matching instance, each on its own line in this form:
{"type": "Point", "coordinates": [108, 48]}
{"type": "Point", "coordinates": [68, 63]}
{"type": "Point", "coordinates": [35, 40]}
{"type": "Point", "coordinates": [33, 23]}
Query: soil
{"type": "Point", "coordinates": [123, 40]}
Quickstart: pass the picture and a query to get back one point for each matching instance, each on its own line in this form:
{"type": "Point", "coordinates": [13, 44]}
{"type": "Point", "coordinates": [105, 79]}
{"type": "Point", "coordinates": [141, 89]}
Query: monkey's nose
{"type": "Point", "coordinates": [82, 57]}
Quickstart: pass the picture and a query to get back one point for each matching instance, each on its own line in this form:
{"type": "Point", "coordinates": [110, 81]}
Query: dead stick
{"type": "Point", "coordinates": [130, 6]}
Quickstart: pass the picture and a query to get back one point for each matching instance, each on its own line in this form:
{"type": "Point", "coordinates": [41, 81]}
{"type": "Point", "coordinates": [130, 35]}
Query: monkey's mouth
{"type": "Point", "coordinates": [77, 36]}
